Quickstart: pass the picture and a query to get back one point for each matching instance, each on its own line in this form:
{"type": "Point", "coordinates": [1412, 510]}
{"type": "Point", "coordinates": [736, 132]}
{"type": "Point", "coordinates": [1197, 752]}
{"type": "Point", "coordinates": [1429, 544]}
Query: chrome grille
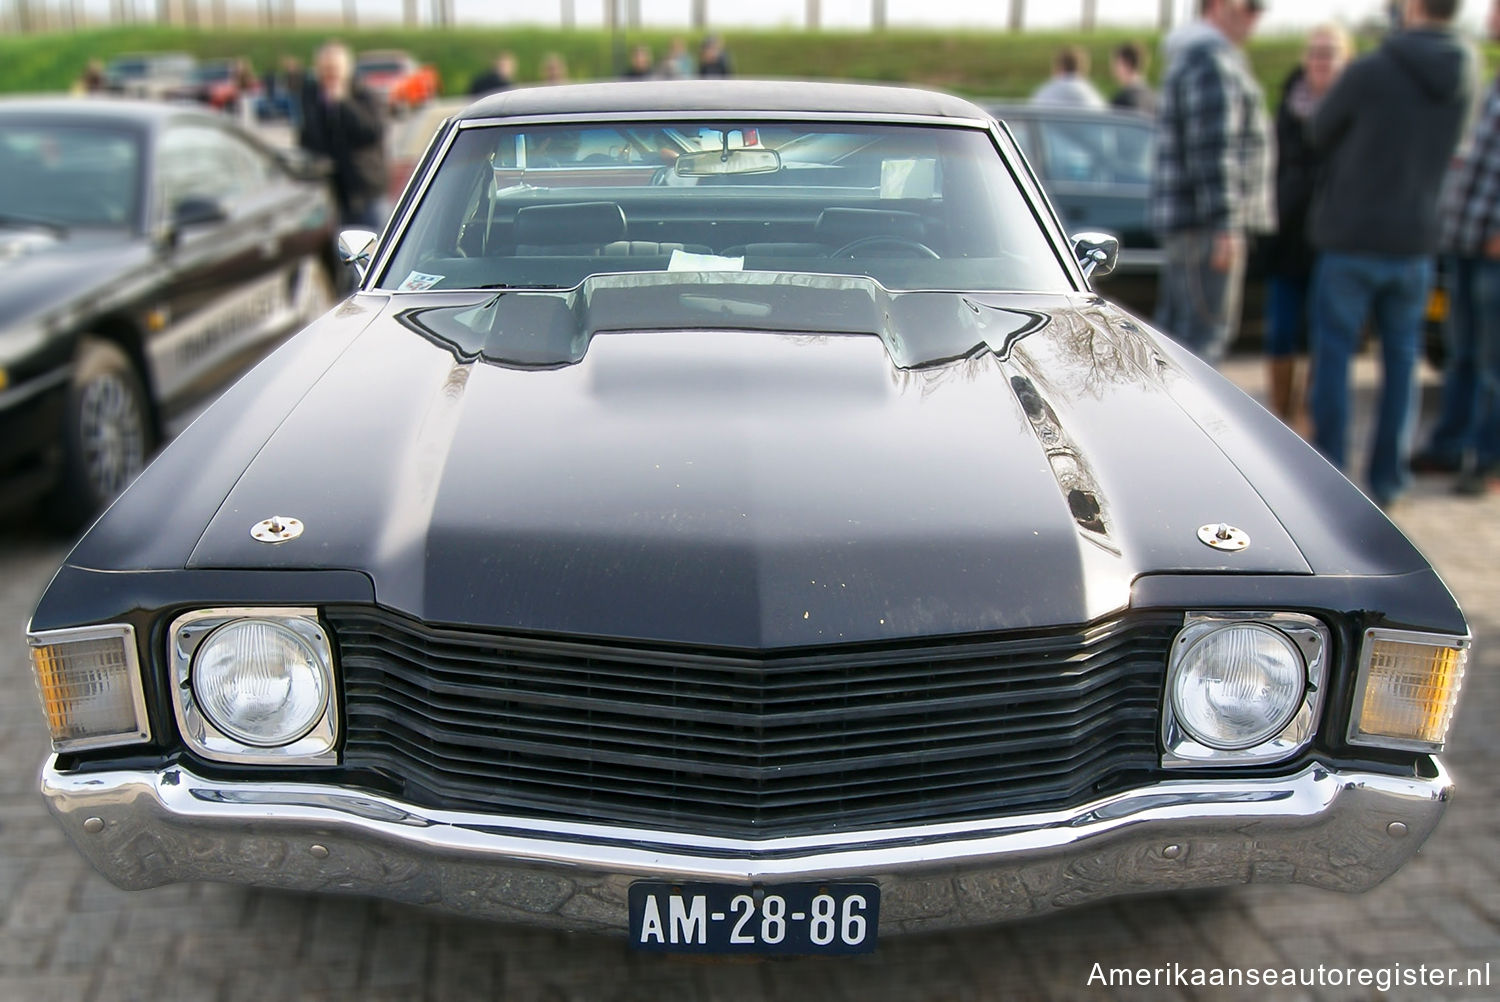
{"type": "Point", "coordinates": [752, 744]}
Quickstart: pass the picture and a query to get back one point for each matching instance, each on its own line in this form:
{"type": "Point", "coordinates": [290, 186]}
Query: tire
{"type": "Point", "coordinates": [108, 433]}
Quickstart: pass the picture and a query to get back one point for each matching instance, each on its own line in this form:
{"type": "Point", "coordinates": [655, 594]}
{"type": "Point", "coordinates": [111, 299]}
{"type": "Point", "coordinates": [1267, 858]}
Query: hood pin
{"type": "Point", "coordinates": [277, 529]}
{"type": "Point", "coordinates": [1224, 537]}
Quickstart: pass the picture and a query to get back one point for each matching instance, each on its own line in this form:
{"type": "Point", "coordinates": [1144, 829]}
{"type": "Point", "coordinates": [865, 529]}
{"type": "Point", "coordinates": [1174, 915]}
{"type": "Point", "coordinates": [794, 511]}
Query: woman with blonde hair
{"type": "Point", "coordinates": [1291, 256]}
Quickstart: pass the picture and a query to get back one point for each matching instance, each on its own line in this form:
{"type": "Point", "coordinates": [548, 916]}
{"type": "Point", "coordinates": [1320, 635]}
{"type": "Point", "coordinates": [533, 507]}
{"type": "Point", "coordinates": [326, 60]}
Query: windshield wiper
{"type": "Point", "coordinates": [17, 220]}
{"type": "Point", "coordinates": [520, 288]}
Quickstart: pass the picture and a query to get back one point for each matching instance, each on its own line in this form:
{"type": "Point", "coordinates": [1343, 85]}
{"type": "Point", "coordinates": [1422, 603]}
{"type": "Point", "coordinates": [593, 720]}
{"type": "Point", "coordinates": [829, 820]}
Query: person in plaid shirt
{"type": "Point", "coordinates": [1211, 183]}
{"type": "Point", "coordinates": [1467, 435]}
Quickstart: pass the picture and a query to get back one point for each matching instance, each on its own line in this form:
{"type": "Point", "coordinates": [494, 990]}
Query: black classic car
{"type": "Point", "coordinates": [752, 554]}
{"type": "Point", "coordinates": [148, 252]}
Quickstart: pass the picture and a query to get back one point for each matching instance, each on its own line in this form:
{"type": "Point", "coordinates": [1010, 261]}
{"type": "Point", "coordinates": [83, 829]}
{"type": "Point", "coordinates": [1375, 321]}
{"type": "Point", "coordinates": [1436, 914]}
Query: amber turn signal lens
{"type": "Point", "coordinates": [90, 687]}
{"type": "Point", "coordinates": [1409, 691]}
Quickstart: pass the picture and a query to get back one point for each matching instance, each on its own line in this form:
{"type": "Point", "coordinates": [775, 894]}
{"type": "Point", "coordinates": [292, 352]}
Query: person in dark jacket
{"type": "Point", "coordinates": [501, 75]}
{"type": "Point", "coordinates": [1385, 132]}
{"type": "Point", "coordinates": [343, 122]}
{"type": "Point", "coordinates": [1127, 64]}
{"type": "Point", "coordinates": [1290, 255]}
{"type": "Point", "coordinates": [713, 58]}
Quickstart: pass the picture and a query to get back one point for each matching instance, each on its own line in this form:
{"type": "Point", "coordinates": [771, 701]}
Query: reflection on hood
{"type": "Point", "coordinates": [21, 243]}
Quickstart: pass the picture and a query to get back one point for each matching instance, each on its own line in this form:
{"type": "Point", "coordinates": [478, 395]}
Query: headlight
{"type": "Point", "coordinates": [254, 685]}
{"type": "Point", "coordinates": [1407, 689]}
{"type": "Point", "coordinates": [260, 683]}
{"type": "Point", "coordinates": [1238, 686]}
{"type": "Point", "coordinates": [1242, 688]}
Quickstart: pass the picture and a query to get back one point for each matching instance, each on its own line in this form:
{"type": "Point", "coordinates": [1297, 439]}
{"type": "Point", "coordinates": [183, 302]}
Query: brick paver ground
{"type": "Point", "coordinates": [66, 934]}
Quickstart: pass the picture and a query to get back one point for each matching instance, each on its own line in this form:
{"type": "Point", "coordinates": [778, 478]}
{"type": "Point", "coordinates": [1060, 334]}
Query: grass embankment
{"type": "Point", "coordinates": [966, 61]}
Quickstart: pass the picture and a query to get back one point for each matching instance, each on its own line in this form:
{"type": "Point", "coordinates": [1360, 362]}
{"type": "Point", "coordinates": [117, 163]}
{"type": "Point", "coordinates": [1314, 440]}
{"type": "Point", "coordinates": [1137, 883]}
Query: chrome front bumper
{"type": "Point", "coordinates": [1344, 831]}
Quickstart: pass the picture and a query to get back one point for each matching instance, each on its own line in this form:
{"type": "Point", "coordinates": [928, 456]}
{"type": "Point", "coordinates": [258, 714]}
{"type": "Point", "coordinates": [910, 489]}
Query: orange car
{"type": "Point", "coordinates": [401, 81]}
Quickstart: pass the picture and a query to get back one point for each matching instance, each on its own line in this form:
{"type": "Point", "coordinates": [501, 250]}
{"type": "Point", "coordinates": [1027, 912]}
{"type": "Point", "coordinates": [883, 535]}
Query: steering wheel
{"type": "Point", "coordinates": [917, 248]}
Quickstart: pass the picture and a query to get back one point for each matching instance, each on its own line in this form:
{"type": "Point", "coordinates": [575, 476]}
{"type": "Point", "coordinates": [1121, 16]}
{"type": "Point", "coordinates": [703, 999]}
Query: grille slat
{"type": "Point", "coordinates": [745, 744]}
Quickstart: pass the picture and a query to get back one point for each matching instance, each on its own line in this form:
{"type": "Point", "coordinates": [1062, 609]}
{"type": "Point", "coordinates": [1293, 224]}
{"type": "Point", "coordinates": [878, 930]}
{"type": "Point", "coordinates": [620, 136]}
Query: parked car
{"type": "Point", "coordinates": [149, 75]}
{"type": "Point", "coordinates": [217, 83]}
{"type": "Point", "coordinates": [1095, 165]}
{"type": "Point", "coordinates": [150, 252]}
{"type": "Point", "coordinates": [763, 559]}
{"type": "Point", "coordinates": [397, 78]}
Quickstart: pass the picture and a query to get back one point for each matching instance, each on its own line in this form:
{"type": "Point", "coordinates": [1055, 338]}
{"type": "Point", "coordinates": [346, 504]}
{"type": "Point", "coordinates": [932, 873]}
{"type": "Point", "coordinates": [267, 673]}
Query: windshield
{"type": "Point", "coordinates": [913, 207]}
{"type": "Point", "coordinates": [65, 175]}
{"type": "Point", "coordinates": [214, 71]}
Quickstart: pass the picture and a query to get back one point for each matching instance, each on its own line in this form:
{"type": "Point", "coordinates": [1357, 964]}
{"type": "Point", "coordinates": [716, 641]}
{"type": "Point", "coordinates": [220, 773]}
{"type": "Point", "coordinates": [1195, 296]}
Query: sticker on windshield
{"type": "Point", "coordinates": [418, 282]}
{"type": "Point", "coordinates": [687, 261]}
{"type": "Point", "coordinates": [908, 178]}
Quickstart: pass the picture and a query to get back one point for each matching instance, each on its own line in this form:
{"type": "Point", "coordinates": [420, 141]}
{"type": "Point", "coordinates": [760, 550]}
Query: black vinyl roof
{"type": "Point", "coordinates": [721, 96]}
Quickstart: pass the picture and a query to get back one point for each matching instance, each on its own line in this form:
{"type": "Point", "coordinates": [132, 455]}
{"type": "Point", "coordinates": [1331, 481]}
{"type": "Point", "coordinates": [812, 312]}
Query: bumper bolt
{"type": "Point", "coordinates": [1396, 829]}
{"type": "Point", "coordinates": [93, 825]}
{"type": "Point", "coordinates": [318, 851]}
{"type": "Point", "coordinates": [1171, 852]}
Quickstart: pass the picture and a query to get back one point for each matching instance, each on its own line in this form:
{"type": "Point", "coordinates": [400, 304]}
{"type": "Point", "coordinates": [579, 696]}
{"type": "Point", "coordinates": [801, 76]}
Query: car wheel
{"type": "Point", "coordinates": [109, 432]}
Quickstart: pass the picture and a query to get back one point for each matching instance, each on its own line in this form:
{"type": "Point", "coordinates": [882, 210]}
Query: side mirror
{"type": "Point", "coordinates": [357, 247]}
{"type": "Point", "coordinates": [1097, 253]}
{"type": "Point", "coordinates": [197, 211]}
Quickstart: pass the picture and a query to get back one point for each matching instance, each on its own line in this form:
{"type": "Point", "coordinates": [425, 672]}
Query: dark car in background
{"type": "Point", "coordinates": [149, 75]}
{"type": "Point", "coordinates": [1096, 168]}
{"type": "Point", "coordinates": [150, 252]}
{"type": "Point", "coordinates": [741, 553]}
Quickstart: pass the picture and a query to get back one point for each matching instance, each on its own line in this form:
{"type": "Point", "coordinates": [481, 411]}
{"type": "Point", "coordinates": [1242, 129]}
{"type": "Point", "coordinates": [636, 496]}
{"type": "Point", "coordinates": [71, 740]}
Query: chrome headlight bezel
{"type": "Point", "coordinates": [317, 746]}
{"type": "Point", "coordinates": [1308, 636]}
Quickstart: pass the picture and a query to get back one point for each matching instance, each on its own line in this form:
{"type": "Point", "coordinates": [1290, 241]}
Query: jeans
{"type": "Point", "coordinates": [1196, 305]}
{"type": "Point", "coordinates": [1286, 316]}
{"type": "Point", "coordinates": [1391, 292]}
{"type": "Point", "coordinates": [1469, 420]}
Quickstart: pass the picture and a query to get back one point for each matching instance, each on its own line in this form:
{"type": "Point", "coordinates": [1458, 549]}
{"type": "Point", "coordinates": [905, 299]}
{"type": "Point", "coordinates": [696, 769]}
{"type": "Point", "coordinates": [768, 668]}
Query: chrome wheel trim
{"type": "Point", "coordinates": [111, 434]}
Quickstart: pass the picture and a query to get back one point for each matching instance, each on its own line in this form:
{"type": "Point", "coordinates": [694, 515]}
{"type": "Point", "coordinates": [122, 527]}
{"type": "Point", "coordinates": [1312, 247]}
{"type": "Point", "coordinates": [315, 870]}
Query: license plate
{"type": "Point", "coordinates": [732, 918]}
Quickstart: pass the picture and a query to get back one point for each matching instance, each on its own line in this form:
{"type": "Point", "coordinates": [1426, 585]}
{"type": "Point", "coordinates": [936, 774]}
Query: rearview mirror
{"type": "Point", "coordinates": [715, 163]}
{"type": "Point", "coordinates": [357, 247]}
{"type": "Point", "coordinates": [1097, 253]}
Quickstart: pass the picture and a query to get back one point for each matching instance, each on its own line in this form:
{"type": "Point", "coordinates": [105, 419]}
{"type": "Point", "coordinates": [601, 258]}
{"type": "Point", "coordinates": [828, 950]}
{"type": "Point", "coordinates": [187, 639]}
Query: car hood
{"type": "Point", "coordinates": [39, 271]}
{"type": "Point", "coordinates": [754, 488]}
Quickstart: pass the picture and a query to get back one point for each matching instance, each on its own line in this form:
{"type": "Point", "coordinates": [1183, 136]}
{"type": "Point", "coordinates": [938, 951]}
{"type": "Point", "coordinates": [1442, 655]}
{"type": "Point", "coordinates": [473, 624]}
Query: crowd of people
{"type": "Point", "coordinates": [677, 64]}
{"type": "Point", "coordinates": [1374, 168]}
